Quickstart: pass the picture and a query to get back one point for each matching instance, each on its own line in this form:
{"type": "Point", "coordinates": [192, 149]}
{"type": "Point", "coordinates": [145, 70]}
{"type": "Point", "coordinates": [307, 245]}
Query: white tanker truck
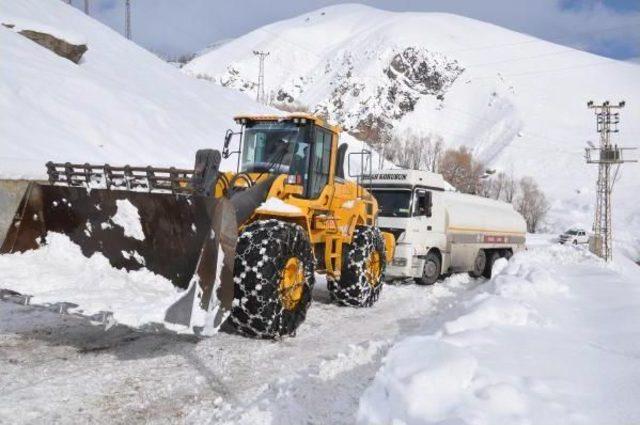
{"type": "Point", "coordinates": [439, 231]}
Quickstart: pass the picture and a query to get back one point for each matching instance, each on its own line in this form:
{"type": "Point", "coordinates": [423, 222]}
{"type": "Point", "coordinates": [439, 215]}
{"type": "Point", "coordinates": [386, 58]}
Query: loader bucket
{"type": "Point", "coordinates": [182, 238]}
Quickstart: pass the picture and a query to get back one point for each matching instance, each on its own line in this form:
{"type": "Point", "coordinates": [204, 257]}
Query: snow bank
{"type": "Point", "coordinates": [552, 338]}
{"type": "Point", "coordinates": [58, 271]}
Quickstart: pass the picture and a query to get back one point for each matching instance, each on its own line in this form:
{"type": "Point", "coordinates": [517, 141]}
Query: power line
{"type": "Point", "coordinates": [562, 51]}
{"type": "Point", "coordinates": [537, 40]}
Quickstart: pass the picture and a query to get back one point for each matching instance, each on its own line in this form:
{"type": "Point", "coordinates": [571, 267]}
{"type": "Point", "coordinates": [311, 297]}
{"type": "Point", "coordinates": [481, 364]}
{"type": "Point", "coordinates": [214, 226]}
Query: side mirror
{"type": "Point", "coordinates": [227, 141]}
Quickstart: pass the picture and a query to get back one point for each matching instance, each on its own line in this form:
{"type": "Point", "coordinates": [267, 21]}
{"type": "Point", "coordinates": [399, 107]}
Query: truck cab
{"type": "Point", "coordinates": [411, 208]}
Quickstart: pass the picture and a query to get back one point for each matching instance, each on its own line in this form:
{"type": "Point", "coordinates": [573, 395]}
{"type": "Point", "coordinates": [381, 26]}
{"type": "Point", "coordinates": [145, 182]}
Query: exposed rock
{"type": "Point", "coordinates": [60, 47]}
{"type": "Point", "coordinates": [367, 102]}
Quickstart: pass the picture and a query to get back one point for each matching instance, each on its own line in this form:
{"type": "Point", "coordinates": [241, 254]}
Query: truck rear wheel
{"type": "Point", "coordinates": [492, 257]}
{"type": "Point", "coordinates": [431, 270]}
{"type": "Point", "coordinates": [274, 277]}
{"type": "Point", "coordinates": [479, 264]}
{"type": "Point", "coordinates": [360, 282]}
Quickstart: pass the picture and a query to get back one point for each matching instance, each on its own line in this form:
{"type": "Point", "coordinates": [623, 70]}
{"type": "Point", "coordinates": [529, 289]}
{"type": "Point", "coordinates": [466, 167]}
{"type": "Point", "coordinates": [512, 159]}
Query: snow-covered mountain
{"type": "Point", "coordinates": [517, 101]}
{"type": "Point", "coordinates": [120, 104]}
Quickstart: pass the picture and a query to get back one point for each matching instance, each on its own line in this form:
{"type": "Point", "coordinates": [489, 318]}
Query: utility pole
{"type": "Point", "coordinates": [260, 97]}
{"type": "Point", "coordinates": [606, 156]}
{"type": "Point", "coordinates": [127, 19]}
{"type": "Point", "coordinates": [86, 7]}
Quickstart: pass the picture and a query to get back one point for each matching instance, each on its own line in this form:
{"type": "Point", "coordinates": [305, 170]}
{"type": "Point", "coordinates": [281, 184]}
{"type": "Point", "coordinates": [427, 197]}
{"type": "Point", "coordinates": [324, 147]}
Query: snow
{"type": "Point", "coordinates": [519, 104]}
{"type": "Point", "coordinates": [20, 24]}
{"type": "Point", "coordinates": [58, 271]}
{"type": "Point", "coordinates": [276, 205]}
{"type": "Point", "coordinates": [120, 105]}
{"type": "Point", "coordinates": [128, 218]}
{"type": "Point", "coordinates": [551, 338]}
{"type": "Point", "coordinates": [68, 371]}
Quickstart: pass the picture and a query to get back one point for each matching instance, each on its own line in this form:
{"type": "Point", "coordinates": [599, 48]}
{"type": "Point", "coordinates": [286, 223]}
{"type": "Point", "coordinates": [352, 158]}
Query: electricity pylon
{"type": "Point", "coordinates": [260, 97]}
{"type": "Point", "coordinates": [127, 19]}
{"type": "Point", "coordinates": [607, 156]}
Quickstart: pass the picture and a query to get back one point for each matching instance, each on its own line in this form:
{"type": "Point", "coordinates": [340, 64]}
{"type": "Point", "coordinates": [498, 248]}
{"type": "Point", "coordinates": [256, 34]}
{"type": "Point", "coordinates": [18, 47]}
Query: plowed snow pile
{"type": "Point", "coordinates": [59, 272]}
{"type": "Point", "coordinates": [552, 338]}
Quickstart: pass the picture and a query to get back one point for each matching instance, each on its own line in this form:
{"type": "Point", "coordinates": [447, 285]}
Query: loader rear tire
{"type": "Point", "coordinates": [274, 277]}
{"type": "Point", "coordinates": [363, 265]}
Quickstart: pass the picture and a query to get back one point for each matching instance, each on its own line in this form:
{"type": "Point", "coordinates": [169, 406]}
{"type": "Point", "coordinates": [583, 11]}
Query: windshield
{"type": "Point", "coordinates": [393, 203]}
{"type": "Point", "coordinates": [571, 232]}
{"type": "Point", "coordinates": [275, 147]}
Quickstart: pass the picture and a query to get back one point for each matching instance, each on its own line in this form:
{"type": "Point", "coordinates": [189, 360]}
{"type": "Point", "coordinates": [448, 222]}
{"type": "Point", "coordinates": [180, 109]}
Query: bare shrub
{"type": "Point", "coordinates": [500, 186]}
{"type": "Point", "coordinates": [531, 203]}
{"type": "Point", "coordinates": [461, 170]}
{"type": "Point", "coordinates": [509, 189]}
{"type": "Point", "coordinates": [419, 152]}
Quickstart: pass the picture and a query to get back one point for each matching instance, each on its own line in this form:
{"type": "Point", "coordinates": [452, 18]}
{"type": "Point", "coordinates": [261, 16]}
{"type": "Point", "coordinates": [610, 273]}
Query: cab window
{"type": "Point", "coordinates": [320, 161]}
{"type": "Point", "coordinates": [422, 203]}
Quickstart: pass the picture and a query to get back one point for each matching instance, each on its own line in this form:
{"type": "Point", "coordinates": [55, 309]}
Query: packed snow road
{"type": "Point", "coordinates": [552, 338]}
{"type": "Point", "coordinates": [63, 370]}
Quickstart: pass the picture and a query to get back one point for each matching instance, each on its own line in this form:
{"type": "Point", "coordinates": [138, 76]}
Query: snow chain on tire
{"type": "Point", "coordinates": [353, 288]}
{"type": "Point", "coordinates": [264, 249]}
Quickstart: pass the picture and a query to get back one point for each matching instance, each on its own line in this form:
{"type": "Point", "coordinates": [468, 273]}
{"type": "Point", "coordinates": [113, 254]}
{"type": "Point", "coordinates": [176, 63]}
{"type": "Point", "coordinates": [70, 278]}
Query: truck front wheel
{"type": "Point", "coordinates": [430, 270]}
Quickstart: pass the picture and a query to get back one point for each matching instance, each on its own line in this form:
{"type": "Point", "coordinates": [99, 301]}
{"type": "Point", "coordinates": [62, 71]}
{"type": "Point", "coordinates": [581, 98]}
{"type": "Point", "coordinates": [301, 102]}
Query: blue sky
{"type": "Point", "coordinates": [174, 27]}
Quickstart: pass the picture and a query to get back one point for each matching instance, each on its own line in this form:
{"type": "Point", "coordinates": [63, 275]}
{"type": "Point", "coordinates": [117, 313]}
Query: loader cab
{"type": "Point", "coordinates": [296, 146]}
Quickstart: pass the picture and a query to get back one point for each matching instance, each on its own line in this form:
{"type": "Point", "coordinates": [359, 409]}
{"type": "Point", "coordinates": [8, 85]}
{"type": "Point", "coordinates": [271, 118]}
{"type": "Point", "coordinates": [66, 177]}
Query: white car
{"type": "Point", "coordinates": [574, 236]}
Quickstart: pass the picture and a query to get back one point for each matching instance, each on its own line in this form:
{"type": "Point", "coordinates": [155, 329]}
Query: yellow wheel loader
{"type": "Point", "coordinates": [243, 246]}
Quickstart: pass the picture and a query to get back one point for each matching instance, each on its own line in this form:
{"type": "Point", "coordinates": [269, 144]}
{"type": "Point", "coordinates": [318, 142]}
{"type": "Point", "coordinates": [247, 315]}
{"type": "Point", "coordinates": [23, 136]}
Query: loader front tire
{"type": "Point", "coordinates": [363, 265]}
{"type": "Point", "coordinates": [273, 279]}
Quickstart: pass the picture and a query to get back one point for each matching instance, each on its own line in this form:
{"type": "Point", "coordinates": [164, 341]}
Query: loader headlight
{"type": "Point", "coordinates": [399, 261]}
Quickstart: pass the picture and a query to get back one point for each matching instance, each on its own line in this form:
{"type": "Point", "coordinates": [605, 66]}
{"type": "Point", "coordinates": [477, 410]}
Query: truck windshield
{"type": "Point", "coordinates": [571, 232]}
{"type": "Point", "coordinates": [393, 203]}
{"type": "Point", "coordinates": [276, 147]}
